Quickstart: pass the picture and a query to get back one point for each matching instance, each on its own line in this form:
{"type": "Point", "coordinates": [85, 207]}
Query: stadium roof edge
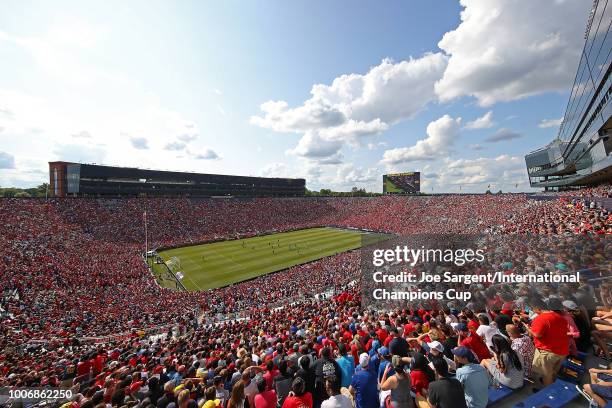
{"type": "Point", "coordinates": [170, 171]}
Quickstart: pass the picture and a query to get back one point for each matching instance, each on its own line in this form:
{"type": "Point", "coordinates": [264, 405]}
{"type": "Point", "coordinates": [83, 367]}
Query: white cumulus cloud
{"type": "Point", "coordinates": [80, 153]}
{"type": "Point", "coordinates": [483, 122]}
{"type": "Point", "coordinates": [349, 174]}
{"type": "Point", "coordinates": [550, 123]}
{"type": "Point", "coordinates": [313, 146]}
{"type": "Point", "coordinates": [441, 136]}
{"type": "Point", "coordinates": [274, 170]}
{"type": "Point", "coordinates": [510, 49]}
{"type": "Point", "coordinates": [355, 106]}
{"type": "Point", "coordinates": [502, 172]}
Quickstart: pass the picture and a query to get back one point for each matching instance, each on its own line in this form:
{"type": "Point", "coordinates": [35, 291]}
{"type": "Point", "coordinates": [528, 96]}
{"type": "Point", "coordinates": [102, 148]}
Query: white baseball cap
{"type": "Point", "coordinates": [436, 345]}
{"type": "Point", "coordinates": [364, 360]}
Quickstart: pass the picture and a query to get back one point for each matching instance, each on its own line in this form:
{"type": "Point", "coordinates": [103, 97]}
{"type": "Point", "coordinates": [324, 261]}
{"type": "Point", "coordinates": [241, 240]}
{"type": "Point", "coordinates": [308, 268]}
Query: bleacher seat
{"type": "Point", "coordinates": [570, 374]}
{"type": "Point", "coordinates": [556, 395]}
{"type": "Point", "coordinates": [574, 364]}
{"type": "Point", "coordinates": [573, 368]}
{"type": "Point", "coordinates": [497, 394]}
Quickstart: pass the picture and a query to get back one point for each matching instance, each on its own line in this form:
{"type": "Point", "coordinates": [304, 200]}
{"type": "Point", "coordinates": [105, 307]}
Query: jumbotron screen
{"type": "Point", "coordinates": [402, 183]}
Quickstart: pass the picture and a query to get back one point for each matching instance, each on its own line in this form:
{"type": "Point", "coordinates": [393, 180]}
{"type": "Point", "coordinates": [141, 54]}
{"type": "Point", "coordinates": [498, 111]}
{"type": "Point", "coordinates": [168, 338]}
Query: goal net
{"type": "Point", "coordinates": [174, 264]}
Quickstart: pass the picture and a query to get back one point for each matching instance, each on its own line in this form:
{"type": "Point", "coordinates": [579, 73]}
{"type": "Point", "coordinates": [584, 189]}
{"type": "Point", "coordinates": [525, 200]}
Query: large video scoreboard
{"type": "Point", "coordinates": [402, 183]}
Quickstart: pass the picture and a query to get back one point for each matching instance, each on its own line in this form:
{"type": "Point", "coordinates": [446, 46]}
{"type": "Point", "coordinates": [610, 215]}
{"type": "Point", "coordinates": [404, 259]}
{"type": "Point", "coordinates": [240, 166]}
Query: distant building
{"type": "Point", "coordinates": [74, 179]}
{"type": "Point", "coordinates": [580, 155]}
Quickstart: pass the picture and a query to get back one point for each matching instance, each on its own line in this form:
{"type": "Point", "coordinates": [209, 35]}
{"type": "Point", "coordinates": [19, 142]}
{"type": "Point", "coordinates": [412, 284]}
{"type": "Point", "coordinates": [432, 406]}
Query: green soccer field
{"type": "Point", "coordinates": [220, 264]}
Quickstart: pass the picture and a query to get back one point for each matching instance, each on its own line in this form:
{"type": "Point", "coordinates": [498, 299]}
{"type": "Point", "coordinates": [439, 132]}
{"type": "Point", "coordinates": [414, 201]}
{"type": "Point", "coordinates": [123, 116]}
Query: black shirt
{"type": "Point", "coordinates": [309, 378]}
{"type": "Point", "coordinates": [398, 347]}
{"type": "Point", "coordinates": [502, 320]}
{"type": "Point", "coordinates": [324, 368]}
{"type": "Point", "coordinates": [282, 385]}
{"type": "Point", "coordinates": [449, 344]}
{"type": "Point", "coordinates": [447, 393]}
{"type": "Point", "coordinates": [587, 300]}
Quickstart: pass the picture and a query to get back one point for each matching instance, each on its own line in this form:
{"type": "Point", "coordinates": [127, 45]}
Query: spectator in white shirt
{"type": "Point", "coordinates": [336, 399]}
{"type": "Point", "coordinates": [436, 350]}
{"type": "Point", "coordinates": [487, 329]}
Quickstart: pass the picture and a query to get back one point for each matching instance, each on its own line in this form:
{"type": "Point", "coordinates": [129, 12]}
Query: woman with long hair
{"type": "Point", "coordinates": [420, 374]}
{"type": "Point", "coordinates": [506, 366]}
{"type": "Point", "coordinates": [238, 397]}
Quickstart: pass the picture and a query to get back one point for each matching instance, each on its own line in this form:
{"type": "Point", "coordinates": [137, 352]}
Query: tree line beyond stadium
{"type": "Point", "coordinates": [68, 179]}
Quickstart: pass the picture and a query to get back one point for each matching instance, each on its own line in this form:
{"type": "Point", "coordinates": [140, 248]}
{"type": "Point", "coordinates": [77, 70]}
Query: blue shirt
{"type": "Point", "coordinates": [381, 369]}
{"type": "Point", "coordinates": [347, 368]}
{"type": "Point", "coordinates": [374, 363]}
{"type": "Point", "coordinates": [366, 389]}
{"type": "Point", "coordinates": [475, 381]}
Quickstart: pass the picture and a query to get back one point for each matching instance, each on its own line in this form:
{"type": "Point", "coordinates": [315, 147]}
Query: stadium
{"type": "Point", "coordinates": [580, 154]}
{"type": "Point", "coordinates": [131, 287]}
{"type": "Point", "coordinates": [77, 288]}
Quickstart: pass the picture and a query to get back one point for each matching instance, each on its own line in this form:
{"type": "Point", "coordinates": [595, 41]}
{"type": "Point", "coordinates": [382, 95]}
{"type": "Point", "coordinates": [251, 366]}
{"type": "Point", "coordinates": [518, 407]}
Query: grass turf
{"type": "Point", "coordinates": [223, 263]}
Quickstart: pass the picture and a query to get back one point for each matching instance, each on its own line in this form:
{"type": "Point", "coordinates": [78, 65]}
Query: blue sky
{"type": "Point", "coordinates": [338, 92]}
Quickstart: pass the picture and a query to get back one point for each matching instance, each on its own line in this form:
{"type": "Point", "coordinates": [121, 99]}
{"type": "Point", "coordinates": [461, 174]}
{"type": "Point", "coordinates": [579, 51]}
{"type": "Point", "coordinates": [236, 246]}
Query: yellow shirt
{"type": "Point", "coordinates": [212, 404]}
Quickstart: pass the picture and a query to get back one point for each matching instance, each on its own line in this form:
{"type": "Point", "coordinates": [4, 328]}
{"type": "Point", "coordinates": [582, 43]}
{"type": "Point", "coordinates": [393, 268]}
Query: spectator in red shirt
{"type": "Point", "coordinates": [298, 397]}
{"type": "Point", "coordinates": [382, 334]}
{"type": "Point", "coordinates": [84, 367]}
{"type": "Point", "coordinates": [347, 335]}
{"type": "Point", "coordinates": [266, 398]}
{"type": "Point", "coordinates": [549, 332]}
{"type": "Point", "coordinates": [472, 341]}
{"type": "Point", "coordinates": [270, 374]}
{"type": "Point", "coordinates": [420, 375]}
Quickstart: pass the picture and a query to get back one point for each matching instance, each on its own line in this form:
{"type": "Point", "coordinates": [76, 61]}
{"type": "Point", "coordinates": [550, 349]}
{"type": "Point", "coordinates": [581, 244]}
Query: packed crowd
{"type": "Point", "coordinates": [181, 221]}
{"type": "Point", "coordinates": [563, 217]}
{"type": "Point", "coordinates": [72, 269]}
{"type": "Point", "coordinates": [322, 354]}
{"type": "Point", "coordinates": [59, 282]}
{"type": "Point", "coordinates": [604, 190]}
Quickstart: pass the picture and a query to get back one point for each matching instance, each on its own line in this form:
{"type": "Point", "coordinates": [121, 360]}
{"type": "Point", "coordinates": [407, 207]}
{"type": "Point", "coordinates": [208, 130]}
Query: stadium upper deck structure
{"type": "Point", "coordinates": [580, 155]}
{"type": "Point", "coordinates": [75, 179]}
